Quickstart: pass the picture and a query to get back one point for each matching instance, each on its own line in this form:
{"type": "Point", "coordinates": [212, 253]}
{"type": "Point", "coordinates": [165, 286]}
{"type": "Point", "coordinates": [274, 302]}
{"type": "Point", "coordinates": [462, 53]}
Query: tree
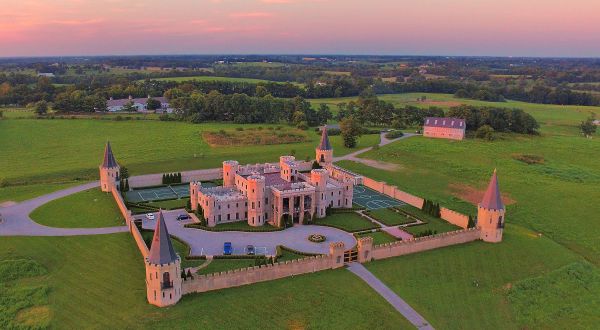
{"type": "Point", "coordinates": [351, 130]}
{"type": "Point", "coordinates": [41, 107]}
{"type": "Point", "coordinates": [323, 114]}
{"type": "Point", "coordinates": [485, 132]}
{"type": "Point", "coordinates": [124, 172]}
{"type": "Point", "coordinates": [315, 165]}
{"type": "Point", "coordinates": [471, 222]}
{"type": "Point", "coordinates": [129, 107]}
{"type": "Point", "coordinates": [153, 104]}
{"type": "Point", "coordinates": [588, 128]}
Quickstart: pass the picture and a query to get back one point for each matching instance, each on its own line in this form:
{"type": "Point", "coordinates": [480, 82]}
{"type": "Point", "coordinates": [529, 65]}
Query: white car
{"type": "Point", "coordinates": [150, 216]}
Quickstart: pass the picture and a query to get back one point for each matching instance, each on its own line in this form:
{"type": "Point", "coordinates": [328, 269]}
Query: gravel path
{"type": "Point", "coordinates": [399, 304]}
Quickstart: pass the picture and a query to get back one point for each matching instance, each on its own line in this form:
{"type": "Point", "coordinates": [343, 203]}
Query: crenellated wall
{"type": "Point", "coordinates": [244, 276]}
{"type": "Point", "coordinates": [454, 217]}
{"type": "Point", "coordinates": [137, 236]}
{"type": "Point", "coordinates": [393, 192]}
{"type": "Point", "coordinates": [415, 245]}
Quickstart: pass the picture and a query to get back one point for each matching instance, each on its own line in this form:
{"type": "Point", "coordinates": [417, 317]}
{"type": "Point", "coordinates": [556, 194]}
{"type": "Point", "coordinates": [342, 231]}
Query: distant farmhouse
{"type": "Point", "coordinates": [45, 74]}
{"type": "Point", "coordinates": [596, 122]}
{"type": "Point", "coordinates": [444, 128]}
{"type": "Point", "coordinates": [138, 103]}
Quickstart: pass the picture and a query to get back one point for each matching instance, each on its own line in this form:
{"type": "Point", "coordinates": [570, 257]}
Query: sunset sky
{"type": "Point", "coordinates": [427, 27]}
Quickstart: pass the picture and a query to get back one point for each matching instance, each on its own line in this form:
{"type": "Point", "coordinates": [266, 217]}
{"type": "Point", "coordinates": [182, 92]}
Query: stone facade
{"type": "Point", "coordinates": [277, 194]}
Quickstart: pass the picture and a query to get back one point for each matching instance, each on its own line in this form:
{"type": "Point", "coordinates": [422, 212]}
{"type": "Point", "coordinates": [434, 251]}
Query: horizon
{"type": "Point", "coordinates": [464, 28]}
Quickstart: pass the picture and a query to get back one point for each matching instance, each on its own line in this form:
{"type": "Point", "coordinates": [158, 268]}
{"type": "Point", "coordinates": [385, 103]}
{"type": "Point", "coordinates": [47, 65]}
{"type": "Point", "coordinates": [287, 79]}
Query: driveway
{"type": "Point", "coordinates": [15, 219]}
{"type": "Point", "coordinates": [204, 242]}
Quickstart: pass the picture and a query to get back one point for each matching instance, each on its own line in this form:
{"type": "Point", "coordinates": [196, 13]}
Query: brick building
{"type": "Point", "coordinates": [444, 128]}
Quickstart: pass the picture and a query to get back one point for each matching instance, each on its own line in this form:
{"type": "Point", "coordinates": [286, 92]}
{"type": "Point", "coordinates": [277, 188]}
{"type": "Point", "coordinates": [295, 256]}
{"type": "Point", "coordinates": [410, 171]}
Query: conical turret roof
{"type": "Point", "coordinates": [161, 251]}
{"type": "Point", "coordinates": [109, 159]}
{"type": "Point", "coordinates": [492, 198]}
{"type": "Point", "coordinates": [324, 145]}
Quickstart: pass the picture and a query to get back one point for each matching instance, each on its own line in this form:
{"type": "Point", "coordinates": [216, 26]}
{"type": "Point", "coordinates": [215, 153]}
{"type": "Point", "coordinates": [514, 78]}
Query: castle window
{"type": "Point", "coordinates": [266, 201]}
{"type": "Point", "coordinates": [258, 203]}
{"type": "Point", "coordinates": [253, 205]}
{"type": "Point", "coordinates": [228, 217]}
{"type": "Point", "coordinates": [237, 216]}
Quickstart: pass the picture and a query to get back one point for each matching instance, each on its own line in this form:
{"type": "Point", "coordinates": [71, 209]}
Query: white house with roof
{"type": "Point", "coordinates": [139, 103]}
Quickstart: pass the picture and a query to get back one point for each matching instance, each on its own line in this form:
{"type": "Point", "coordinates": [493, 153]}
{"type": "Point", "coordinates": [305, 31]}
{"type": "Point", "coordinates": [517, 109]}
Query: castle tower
{"type": "Point", "coordinates": [490, 213]}
{"type": "Point", "coordinates": [348, 192]}
{"type": "Point", "coordinates": [336, 253]}
{"type": "Point", "coordinates": [256, 200]}
{"type": "Point", "coordinates": [324, 151]}
{"type": "Point", "coordinates": [288, 168]}
{"type": "Point", "coordinates": [109, 170]}
{"type": "Point", "coordinates": [230, 169]}
{"type": "Point", "coordinates": [163, 270]}
{"type": "Point", "coordinates": [318, 178]}
{"type": "Point", "coordinates": [365, 246]}
{"type": "Point", "coordinates": [194, 187]}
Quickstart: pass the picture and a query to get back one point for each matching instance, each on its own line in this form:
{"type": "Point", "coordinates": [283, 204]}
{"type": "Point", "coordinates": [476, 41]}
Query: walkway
{"type": "Point", "coordinates": [400, 305]}
{"type": "Point", "coordinates": [371, 162]}
{"type": "Point", "coordinates": [16, 221]}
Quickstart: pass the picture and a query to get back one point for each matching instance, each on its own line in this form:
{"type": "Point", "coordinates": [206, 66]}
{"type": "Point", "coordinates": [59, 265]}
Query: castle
{"type": "Point", "coordinates": [280, 194]}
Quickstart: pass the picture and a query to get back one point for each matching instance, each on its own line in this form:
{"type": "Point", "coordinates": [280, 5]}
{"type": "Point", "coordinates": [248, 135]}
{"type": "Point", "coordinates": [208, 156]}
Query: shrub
{"type": "Point", "coordinates": [394, 134]}
{"type": "Point", "coordinates": [485, 132]}
{"type": "Point", "coordinates": [239, 129]}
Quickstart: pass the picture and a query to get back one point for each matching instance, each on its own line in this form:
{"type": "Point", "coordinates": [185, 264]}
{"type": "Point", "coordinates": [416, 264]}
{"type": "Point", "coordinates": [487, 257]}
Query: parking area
{"type": "Point", "coordinates": [372, 200]}
{"type": "Point", "coordinates": [158, 193]}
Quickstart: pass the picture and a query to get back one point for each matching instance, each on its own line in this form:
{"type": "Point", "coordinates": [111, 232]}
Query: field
{"type": "Point", "coordinates": [379, 237]}
{"type": "Point", "coordinates": [98, 281]}
{"type": "Point", "coordinates": [21, 193]}
{"type": "Point", "coordinates": [41, 155]}
{"type": "Point", "coordinates": [87, 209]}
{"type": "Point", "coordinates": [255, 136]}
{"type": "Point", "coordinates": [466, 286]}
{"type": "Point", "coordinates": [348, 221]}
{"type": "Point", "coordinates": [213, 78]}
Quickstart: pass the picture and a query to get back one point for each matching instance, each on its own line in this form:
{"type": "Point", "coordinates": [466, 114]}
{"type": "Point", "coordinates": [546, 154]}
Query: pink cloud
{"type": "Point", "coordinates": [251, 14]}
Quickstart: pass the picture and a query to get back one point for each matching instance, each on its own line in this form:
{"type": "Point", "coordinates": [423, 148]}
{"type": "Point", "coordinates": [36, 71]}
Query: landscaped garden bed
{"type": "Point", "coordinates": [235, 226]}
{"type": "Point", "coordinates": [317, 238]}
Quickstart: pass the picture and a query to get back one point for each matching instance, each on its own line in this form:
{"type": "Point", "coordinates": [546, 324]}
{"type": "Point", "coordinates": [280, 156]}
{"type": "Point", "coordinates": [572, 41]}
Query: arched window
{"type": "Point", "coordinates": [322, 158]}
{"type": "Point", "coordinates": [166, 278]}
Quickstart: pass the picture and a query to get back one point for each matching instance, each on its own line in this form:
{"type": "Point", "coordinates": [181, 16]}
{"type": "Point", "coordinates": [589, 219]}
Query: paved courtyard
{"type": "Point", "coordinates": [204, 242]}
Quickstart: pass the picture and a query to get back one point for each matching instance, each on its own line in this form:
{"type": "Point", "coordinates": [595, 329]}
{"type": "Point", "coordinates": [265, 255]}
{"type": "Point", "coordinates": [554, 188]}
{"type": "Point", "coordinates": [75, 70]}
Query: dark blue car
{"type": "Point", "coordinates": [227, 248]}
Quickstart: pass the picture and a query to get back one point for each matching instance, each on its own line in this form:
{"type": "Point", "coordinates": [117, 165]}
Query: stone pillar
{"type": "Point", "coordinates": [336, 253]}
{"type": "Point", "coordinates": [302, 209]}
{"type": "Point", "coordinates": [365, 247]}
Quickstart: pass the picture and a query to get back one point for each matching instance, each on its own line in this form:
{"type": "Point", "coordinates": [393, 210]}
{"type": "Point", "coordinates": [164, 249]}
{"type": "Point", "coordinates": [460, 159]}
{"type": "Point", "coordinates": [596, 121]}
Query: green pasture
{"type": "Point", "coordinates": [87, 209]}
{"type": "Point", "coordinates": [65, 150]}
{"type": "Point", "coordinates": [98, 281]}
{"type": "Point", "coordinates": [21, 193]}
{"type": "Point", "coordinates": [389, 216]}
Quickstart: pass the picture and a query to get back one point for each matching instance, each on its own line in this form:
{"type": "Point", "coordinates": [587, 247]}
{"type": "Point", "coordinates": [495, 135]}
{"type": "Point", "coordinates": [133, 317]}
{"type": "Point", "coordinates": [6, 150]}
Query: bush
{"type": "Point", "coordinates": [394, 134]}
{"type": "Point", "coordinates": [485, 132]}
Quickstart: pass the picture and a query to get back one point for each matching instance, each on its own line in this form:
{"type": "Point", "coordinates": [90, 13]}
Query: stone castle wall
{"type": "Point", "coordinates": [137, 236]}
{"type": "Point", "coordinates": [393, 192]}
{"type": "Point", "coordinates": [244, 276]}
{"type": "Point", "coordinates": [454, 217]}
{"type": "Point", "coordinates": [415, 245]}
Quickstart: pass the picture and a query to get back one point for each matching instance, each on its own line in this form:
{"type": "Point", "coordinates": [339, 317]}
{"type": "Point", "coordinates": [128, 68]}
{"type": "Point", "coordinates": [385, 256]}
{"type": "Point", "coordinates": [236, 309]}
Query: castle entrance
{"type": "Point", "coordinates": [350, 255]}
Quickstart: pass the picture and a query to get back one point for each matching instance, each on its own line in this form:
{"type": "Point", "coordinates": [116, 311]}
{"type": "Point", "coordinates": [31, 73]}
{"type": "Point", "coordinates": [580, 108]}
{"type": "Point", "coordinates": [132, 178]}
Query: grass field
{"type": "Point", "coordinates": [213, 78]}
{"type": "Point", "coordinates": [389, 217]}
{"type": "Point", "coordinates": [171, 204]}
{"type": "Point", "coordinates": [21, 193]}
{"type": "Point", "coordinates": [348, 221]}
{"type": "Point", "coordinates": [379, 237]}
{"type": "Point", "coordinates": [87, 209]}
{"type": "Point", "coordinates": [111, 293]}
{"type": "Point", "coordinates": [432, 223]}
{"type": "Point", "coordinates": [143, 146]}
{"type": "Point", "coordinates": [466, 286]}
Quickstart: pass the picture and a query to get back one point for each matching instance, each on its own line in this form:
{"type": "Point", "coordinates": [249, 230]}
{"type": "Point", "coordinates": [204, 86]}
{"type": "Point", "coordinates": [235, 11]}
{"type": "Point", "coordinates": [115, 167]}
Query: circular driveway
{"type": "Point", "coordinates": [210, 243]}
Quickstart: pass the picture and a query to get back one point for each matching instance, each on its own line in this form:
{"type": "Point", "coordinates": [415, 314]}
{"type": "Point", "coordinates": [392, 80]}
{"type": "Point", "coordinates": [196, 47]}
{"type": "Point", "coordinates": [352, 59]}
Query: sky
{"type": "Point", "coordinates": [396, 27]}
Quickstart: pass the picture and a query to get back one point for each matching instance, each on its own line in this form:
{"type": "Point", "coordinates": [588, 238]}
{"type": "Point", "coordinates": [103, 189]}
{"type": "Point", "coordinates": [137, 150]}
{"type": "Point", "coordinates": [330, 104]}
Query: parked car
{"type": "Point", "coordinates": [250, 250]}
{"type": "Point", "coordinates": [183, 217]}
{"type": "Point", "coordinates": [150, 216]}
{"type": "Point", "coordinates": [227, 248]}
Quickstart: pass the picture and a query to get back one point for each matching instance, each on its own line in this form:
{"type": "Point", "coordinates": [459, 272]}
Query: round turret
{"type": "Point", "coordinates": [230, 169]}
{"type": "Point", "coordinates": [256, 200]}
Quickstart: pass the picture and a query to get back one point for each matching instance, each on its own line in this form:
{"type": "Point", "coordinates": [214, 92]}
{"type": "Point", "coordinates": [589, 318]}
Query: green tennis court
{"type": "Point", "coordinates": [372, 200]}
{"type": "Point", "coordinates": [158, 193]}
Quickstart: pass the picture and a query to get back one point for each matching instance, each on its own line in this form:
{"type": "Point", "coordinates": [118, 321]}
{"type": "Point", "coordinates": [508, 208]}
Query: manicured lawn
{"type": "Point", "coordinates": [389, 217]}
{"type": "Point", "coordinates": [289, 255]}
{"type": "Point", "coordinates": [98, 281]}
{"type": "Point", "coordinates": [87, 209]}
{"type": "Point", "coordinates": [465, 286]}
{"type": "Point", "coordinates": [348, 221]}
{"type": "Point", "coordinates": [21, 193]}
{"type": "Point", "coordinates": [171, 204]}
{"type": "Point", "coordinates": [42, 155]}
{"type": "Point", "coordinates": [379, 237]}
{"type": "Point", "coordinates": [243, 226]}
{"type": "Point", "coordinates": [434, 224]}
